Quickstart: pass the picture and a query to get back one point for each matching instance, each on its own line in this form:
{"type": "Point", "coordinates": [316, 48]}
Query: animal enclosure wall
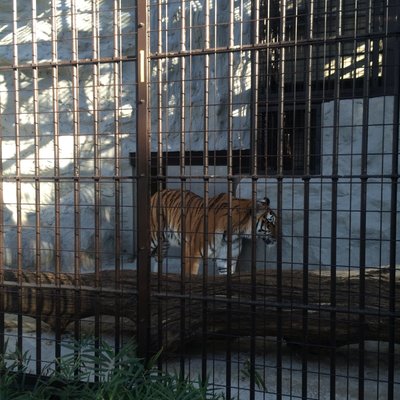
{"type": "Point", "coordinates": [104, 103]}
{"type": "Point", "coordinates": [67, 125]}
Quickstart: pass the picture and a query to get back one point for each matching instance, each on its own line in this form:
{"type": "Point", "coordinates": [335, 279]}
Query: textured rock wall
{"type": "Point", "coordinates": [115, 140]}
{"type": "Point", "coordinates": [192, 69]}
{"type": "Point", "coordinates": [378, 204]}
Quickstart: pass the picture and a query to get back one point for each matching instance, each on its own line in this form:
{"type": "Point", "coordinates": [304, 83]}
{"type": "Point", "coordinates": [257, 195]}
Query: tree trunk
{"type": "Point", "coordinates": [259, 306]}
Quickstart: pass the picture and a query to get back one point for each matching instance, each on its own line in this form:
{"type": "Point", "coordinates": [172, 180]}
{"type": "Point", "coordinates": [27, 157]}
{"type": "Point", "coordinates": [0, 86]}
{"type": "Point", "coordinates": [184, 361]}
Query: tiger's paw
{"type": "Point", "coordinates": [222, 271]}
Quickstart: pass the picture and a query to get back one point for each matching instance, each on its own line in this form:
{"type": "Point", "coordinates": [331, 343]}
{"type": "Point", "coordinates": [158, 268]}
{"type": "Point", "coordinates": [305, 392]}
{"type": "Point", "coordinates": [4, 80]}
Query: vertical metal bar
{"type": "Point", "coordinates": [160, 111]}
{"type": "Point", "coordinates": [96, 145]}
{"type": "Point", "coordinates": [37, 180]}
{"type": "Point", "coordinates": [255, 27]}
{"type": "Point", "coordinates": [76, 161]}
{"type": "Point", "coordinates": [96, 165]}
{"type": "Point", "coordinates": [281, 89]}
{"type": "Point", "coordinates": [36, 138]}
{"type": "Point", "coordinates": [182, 175]}
{"type": "Point", "coordinates": [363, 206]}
{"type": "Point", "coordinates": [117, 160]}
{"type": "Point", "coordinates": [281, 111]}
{"type": "Point", "coordinates": [143, 199]}
{"type": "Point", "coordinates": [206, 188]}
{"type": "Point", "coordinates": [57, 194]}
{"type": "Point", "coordinates": [306, 198]}
{"type": "Point", "coordinates": [231, 54]}
{"type": "Point", "coordinates": [2, 249]}
{"type": "Point", "coordinates": [394, 207]}
{"type": "Point", "coordinates": [334, 197]}
{"type": "Point", "coordinates": [17, 168]}
{"type": "Point", "coordinates": [266, 8]}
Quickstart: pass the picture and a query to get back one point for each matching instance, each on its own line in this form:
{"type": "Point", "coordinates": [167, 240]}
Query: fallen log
{"type": "Point", "coordinates": [267, 304]}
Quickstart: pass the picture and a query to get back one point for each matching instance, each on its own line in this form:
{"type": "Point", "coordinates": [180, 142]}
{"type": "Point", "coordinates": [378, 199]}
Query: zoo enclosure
{"type": "Point", "coordinates": [291, 99]}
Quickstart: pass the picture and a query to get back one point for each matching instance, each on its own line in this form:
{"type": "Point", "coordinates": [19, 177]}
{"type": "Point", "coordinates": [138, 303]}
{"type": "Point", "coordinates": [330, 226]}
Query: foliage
{"type": "Point", "coordinates": [91, 372]}
{"type": "Point", "coordinates": [258, 380]}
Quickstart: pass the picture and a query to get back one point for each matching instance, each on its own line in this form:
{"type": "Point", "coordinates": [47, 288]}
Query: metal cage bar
{"type": "Point", "coordinates": [103, 104]}
{"type": "Point", "coordinates": [142, 166]}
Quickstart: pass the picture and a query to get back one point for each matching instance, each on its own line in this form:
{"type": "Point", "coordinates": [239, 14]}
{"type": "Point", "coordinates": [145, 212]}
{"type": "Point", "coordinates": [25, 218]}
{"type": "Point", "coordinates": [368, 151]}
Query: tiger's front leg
{"type": "Point", "coordinates": [222, 255]}
{"type": "Point", "coordinates": [222, 266]}
{"type": "Point", "coordinates": [192, 261]}
{"type": "Point", "coordinates": [160, 255]}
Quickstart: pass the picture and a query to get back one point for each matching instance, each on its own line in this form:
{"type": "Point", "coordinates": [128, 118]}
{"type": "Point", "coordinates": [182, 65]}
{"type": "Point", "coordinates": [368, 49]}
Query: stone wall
{"type": "Point", "coordinates": [115, 92]}
{"type": "Point", "coordinates": [116, 134]}
{"type": "Point", "coordinates": [378, 205]}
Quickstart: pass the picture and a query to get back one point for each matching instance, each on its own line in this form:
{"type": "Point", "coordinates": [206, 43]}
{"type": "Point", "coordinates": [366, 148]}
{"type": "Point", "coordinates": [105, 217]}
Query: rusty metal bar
{"type": "Point", "coordinates": [254, 126]}
{"type": "Point", "coordinates": [96, 134]}
{"type": "Point", "coordinates": [2, 244]}
{"type": "Point", "coordinates": [37, 182]}
{"type": "Point", "coordinates": [182, 172]}
{"type": "Point", "coordinates": [117, 158]}
{"type": "Point", "coordinates": [117, 138]}
{"type": "Point", "coordinates": [36, 139]}
{"type": "Point", "coordinates": [62, 63]}
{"type": "Point", "coordinates": [56, 147]}
{"type": "Point", "coordinates": [291, 56]}
{"type": "Point", "coordinates": [96, 159]}
{"type": "Point", "coordinates": [334, 195]}
{"type": "Point", "coordinates": [267, 78]}
{"type": "Point", "coordinates": [160, 161]}
{"type": "Point", "coordinates": [76, 159]}
{"type": "Point", "coordinates": [394, 200]}
{"type": "Point", "coordinates": [306, 197]}
{"type": "Point", "coordinates": [143, 195]}
{"type": "Point", "coordinates": [206, 186]}
{"type": "Point", "coordinates": [280, 137]}
{"type": "Point", "coordinates": [17, 163]}
{"type": "Point", "coordinates": [230, 128]}
{"type": "Point", "coordinates": [363, 204]}
{"type": "Point", "coordinates": [260, 46]}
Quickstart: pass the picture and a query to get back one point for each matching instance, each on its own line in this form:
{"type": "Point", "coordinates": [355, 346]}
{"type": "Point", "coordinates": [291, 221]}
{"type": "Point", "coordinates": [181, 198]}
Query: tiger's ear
{"type": "Point", "coordinates": [262, 204]}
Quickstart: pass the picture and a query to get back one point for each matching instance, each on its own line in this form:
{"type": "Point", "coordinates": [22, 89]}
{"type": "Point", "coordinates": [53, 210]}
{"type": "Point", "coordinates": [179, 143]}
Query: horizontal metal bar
{"type": "Point", "coordinates": [270, 45]}
{"type": "Point", "coordinates": [71, 178]}
{"type": "Point", "coordinates": [218, 298]}
{"type": "Point", "coordinates": [65, 63]}
{"type": "Point", "coordinates": [41, 286]}
{"type": "Point", "coordinates": [280, 305]}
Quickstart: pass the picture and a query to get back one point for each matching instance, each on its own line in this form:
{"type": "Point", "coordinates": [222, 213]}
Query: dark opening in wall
{"type": "Point", "coordinates": [300, 151]}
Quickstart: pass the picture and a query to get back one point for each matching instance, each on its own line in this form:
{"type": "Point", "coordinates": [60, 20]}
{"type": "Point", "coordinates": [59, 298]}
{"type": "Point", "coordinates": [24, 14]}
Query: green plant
{"type": "Point", "coordinates": [92, 372]}
{"type": "Point", "coordinates": [258, 380]}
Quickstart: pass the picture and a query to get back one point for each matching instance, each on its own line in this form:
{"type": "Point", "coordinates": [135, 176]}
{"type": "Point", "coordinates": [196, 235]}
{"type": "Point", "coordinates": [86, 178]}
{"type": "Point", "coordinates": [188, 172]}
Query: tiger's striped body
{"type": "Point", "coordinates": [178, 216]}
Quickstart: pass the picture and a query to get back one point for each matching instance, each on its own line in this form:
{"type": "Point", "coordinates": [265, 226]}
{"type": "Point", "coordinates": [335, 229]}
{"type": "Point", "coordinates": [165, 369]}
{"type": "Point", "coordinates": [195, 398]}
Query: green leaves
{"type": "Point", "coordinates": [94, 371]}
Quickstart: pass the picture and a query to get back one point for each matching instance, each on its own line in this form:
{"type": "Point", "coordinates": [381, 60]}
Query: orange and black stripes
{"type": "Point", "coordinates": [178, 216]}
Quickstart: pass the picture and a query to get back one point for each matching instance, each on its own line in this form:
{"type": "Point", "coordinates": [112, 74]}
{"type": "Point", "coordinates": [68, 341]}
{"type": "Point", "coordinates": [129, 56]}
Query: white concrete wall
{"type": "Point", "coordinates": [84, 138]}
{"type": "Point", "coordinates": [380, 131]}
{"type": "Point", "coordinates": [379, 135]}
{"type": "Point", "coordinates": [192, 127]}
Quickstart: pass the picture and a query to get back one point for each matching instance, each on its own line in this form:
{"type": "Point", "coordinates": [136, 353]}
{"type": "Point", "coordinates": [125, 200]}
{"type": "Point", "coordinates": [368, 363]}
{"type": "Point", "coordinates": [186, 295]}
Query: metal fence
{"type": "Point", "coordinates": [106, 103]}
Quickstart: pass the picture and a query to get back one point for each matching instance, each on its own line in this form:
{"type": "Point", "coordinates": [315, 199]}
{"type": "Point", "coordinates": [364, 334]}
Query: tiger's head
{"type": "Point", "coordinates": [267, 222]}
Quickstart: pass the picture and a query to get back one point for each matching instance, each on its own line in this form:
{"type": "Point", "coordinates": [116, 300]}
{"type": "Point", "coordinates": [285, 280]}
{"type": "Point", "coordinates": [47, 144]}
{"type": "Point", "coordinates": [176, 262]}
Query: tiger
{"type": "Point", "coordinates": [170, 207]}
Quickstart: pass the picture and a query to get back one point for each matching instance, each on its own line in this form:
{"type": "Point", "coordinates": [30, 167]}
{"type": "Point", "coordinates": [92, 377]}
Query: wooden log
{"type": "Point", "coordinates": [255, 306]}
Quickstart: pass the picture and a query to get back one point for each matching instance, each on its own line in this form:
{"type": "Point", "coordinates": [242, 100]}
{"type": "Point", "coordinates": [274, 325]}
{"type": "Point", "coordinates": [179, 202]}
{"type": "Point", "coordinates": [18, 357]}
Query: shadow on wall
{"type": "Point", "coordinates": [84, 239]}
{"type": "Point", "coordinates": [30, 230]}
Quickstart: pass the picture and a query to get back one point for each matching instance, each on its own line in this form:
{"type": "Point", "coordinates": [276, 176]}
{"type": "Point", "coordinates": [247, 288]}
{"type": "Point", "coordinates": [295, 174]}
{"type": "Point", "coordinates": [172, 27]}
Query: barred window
{"type": "Point", "coordinates": [316, 52]}
{"type": "Point", "coordinates": [298, 150]}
